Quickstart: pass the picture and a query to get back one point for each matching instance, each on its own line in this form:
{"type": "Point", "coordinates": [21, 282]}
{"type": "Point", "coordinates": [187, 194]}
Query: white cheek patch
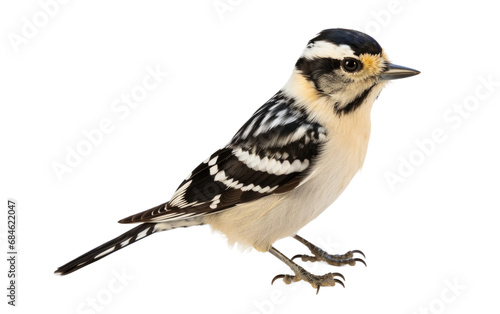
{"type": "Point", "coordinates": [324, 49]}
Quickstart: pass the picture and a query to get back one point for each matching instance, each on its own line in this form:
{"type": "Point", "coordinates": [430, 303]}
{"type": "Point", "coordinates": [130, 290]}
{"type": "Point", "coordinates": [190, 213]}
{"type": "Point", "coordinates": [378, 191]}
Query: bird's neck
{"type": "Point", "coordinates": [321, 107]}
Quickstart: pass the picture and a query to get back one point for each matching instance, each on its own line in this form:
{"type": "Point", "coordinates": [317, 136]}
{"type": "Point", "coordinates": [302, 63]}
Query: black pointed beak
{"type": "Point", "coordinates": [394, 72]}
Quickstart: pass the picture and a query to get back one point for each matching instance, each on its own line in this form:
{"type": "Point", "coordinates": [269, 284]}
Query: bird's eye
{"type": "Point", "coordinates": [351, 65]}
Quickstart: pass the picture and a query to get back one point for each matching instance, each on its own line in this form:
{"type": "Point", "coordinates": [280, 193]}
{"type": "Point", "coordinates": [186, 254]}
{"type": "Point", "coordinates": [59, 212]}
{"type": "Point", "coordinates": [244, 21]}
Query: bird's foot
{"type": "Point", "coordinates": [326, 280]}
{"type": "Point", "coordinates": [320, 255]}
{"type": "Point", "coordinates": [335, 260]}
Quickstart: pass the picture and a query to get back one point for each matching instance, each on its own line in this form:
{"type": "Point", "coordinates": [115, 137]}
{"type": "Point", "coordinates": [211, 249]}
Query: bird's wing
{"type": "Point", "coordinates": [272, 153]}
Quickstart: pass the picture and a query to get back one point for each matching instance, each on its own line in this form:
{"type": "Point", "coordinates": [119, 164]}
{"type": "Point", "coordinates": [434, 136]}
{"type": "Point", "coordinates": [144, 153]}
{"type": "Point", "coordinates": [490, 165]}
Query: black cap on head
{"type": "Point", "coordinates": [359, 42]}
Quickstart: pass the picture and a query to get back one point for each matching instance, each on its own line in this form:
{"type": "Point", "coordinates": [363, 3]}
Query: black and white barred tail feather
{"type": "Point", "coordinates": [129, 237]}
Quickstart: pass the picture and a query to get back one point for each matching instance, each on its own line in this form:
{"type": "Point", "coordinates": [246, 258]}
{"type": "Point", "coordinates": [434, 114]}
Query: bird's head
{"type": "Point", "coordinates": [346, 67]}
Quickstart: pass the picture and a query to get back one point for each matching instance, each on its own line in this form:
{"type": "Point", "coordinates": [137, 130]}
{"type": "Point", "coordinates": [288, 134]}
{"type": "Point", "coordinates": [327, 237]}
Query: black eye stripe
{"type": "Point", "coordinates": [314, 68]}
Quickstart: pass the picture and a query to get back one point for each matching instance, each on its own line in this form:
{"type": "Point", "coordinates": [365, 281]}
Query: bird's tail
{"type": "Point", "coordinates": [133, 235]}
{"type": "Point", "coordinates": [129, 237]}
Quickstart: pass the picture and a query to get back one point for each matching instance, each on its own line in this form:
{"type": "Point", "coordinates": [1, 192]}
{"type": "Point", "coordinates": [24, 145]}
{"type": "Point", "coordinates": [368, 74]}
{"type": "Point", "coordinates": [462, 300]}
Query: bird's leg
{"type": "Point", "coordinates": [302, 274]}
{"type": "Point", "coordinates": [320, 255]}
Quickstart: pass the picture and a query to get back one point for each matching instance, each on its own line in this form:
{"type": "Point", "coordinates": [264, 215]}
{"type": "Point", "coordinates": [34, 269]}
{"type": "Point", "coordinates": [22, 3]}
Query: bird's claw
{"type": "Point", "coordinates": [335, 260]}
{"type": "Point", "coordinates": [327, 280]}
{"type": "Point", "coordinates": [359, 252]}
{"type": "Point", "coordinates": [305, 258]}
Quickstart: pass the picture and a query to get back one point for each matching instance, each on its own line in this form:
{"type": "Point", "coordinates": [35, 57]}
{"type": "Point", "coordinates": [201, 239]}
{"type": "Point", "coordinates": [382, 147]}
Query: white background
{"type": "Point", "coordinates": [435, 229]}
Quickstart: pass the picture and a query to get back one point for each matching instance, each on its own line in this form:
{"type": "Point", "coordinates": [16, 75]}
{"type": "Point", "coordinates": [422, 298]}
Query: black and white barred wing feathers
{"type": "Point", "coordinates": [273, 152]}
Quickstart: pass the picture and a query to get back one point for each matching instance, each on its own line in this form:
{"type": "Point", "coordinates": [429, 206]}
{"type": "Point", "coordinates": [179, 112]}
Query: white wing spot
{"type": "Point", "coordinates": [269, 165]}
{"type": "Point", "coordinates": [295, 165]}
{"type": "Point", "coordinates": [254, 163]}
{"type": "Point", "coordinates": [298, 133]}
{"type": "Point", "coordinates": [213, 161]}
{"type": "Point", "coordinates": [248, 129]}
{"type": "Point", "coordinates": [257, 188]}
{"type": "Point", "coordinates": [263, 164]}
{"type": "Point", "coordinates": [264, 190]}
{"type": "Point", "coordinates": [215, 202]}
{"type": "Point", "coordinates": [285, 166]}
{"type": "Point", "coordinates": [213, 170]}
{"type": "Point", "coordinates": [243, 156]}
{"type": "Point", "coordinates": [220, 176]}
{"type": "Point", "coordinates": [276, 169]}
{"type": "Point", "coordinates": [248, 187]}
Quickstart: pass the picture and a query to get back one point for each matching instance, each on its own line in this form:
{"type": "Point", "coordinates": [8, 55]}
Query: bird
{"type": "Point", "coordinates": [288, 163]}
